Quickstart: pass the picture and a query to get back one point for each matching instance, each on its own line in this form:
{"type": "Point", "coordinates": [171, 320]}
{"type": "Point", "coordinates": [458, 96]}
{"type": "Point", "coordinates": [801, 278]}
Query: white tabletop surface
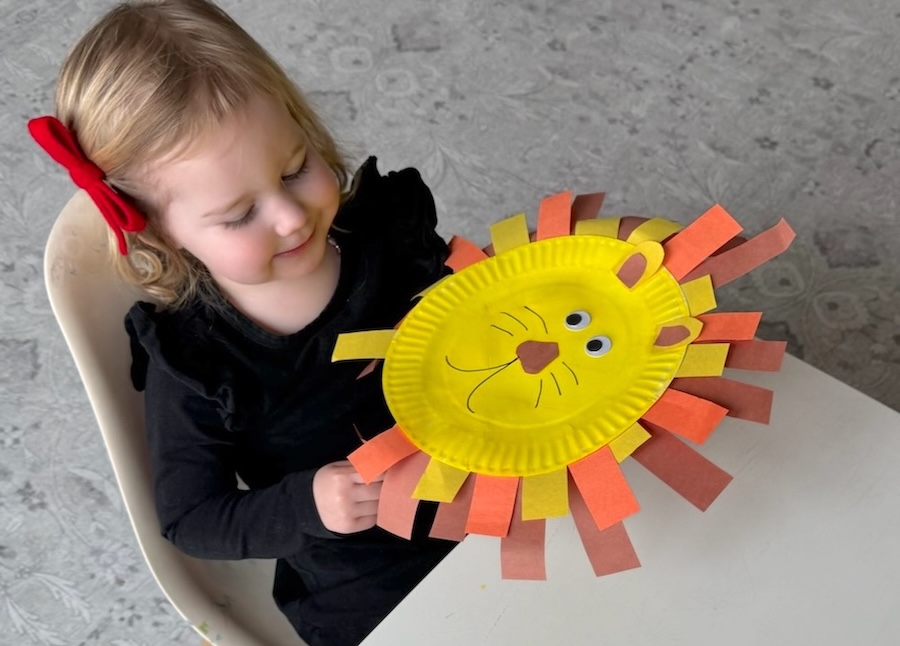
{"type": "Point", "coordinates": [802, 548]}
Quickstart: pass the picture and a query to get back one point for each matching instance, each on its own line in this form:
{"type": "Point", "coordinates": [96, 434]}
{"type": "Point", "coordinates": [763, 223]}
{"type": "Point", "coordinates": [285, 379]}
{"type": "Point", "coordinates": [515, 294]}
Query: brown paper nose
{"type": "Point", "coordinates": [536, 355]}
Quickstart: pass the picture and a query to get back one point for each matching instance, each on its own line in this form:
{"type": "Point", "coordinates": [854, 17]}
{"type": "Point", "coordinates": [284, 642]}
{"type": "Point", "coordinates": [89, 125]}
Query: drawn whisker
{"type": "Point", "coordinates": [501, 329]}
{"type": "Point", "coordinates": [484, 381]}
{"type": "Point", "coordinates": [574, 376]}
{"type": "Point", "coordinates": [543, 322]}
{"type": "Point", "coordinates": [515, 319]}
{"type": "Point", "coordinates": [540, 390]}
{"type": "Point", "coordinates": [502, 365]}
{"type": "Point", "coordinates": [558, 391]}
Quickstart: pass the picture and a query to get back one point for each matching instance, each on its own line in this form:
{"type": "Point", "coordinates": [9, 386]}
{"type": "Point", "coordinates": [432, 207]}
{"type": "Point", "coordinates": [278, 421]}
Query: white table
{"type": "Point", "coordinates": [802, 548]}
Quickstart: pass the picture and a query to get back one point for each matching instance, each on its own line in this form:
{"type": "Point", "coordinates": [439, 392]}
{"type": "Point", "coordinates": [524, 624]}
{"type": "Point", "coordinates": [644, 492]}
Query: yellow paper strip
{"type": "Point", "coordinates": [509, 233]}
{"type": "Point", "coordinates": [440, 482]}
{"type": "Point", "coordinates": [628, 442]}
{"type": "Point", "coordinates": [699, 294]}
{"type": "Point", "coordinates": [608, 227]}
{"type": "Point", "coordinates": [371, 344]}
{"type": "Point", "coordinates": [655, 229]}
{"type": "Point", "coordinates": [703, 360]}
{"type": "Point", "coordinates": [545, 495]}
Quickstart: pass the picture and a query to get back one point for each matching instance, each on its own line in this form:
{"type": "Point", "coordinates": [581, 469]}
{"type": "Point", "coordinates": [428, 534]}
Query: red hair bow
{"type": "Point", "coordinates": [61, 145]}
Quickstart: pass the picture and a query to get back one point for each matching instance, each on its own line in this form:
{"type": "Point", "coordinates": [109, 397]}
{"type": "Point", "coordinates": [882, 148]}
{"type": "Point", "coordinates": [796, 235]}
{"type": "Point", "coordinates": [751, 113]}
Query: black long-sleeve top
{"type": "Point", "coordinates": [225, 397]}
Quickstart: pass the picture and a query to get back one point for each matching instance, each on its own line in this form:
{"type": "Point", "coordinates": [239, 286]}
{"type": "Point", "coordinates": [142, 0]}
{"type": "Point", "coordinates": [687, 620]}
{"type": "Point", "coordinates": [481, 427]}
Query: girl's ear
{"type": "Point", "coordinates": [643, 262]}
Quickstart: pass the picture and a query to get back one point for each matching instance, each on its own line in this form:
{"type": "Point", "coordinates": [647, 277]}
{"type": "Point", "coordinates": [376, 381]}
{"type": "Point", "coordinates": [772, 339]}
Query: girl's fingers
{"type": "Point", "coordinates": [364, 493]}
{"type": "Point", "coordinates": [366, 509]}
{"type": "Point", "coordinates": [358, 478]}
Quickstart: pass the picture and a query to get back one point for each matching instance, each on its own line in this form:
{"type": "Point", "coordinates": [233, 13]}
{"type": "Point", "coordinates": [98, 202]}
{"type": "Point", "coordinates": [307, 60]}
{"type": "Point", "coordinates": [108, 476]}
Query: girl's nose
{"type": "Point", "coordinates": [290, 215]}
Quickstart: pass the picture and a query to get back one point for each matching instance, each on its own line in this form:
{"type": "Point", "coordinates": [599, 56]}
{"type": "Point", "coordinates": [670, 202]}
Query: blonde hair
{"type": "Point", "coordinates": [147, 80]}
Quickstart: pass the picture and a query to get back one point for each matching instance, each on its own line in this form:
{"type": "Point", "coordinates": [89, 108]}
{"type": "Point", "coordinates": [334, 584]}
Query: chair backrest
{"type": "Point", "coordinates": [228, 602]}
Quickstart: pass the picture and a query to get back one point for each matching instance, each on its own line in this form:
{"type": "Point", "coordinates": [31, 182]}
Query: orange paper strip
{"type": "Point", "coordinates": [609, 550]}
{"type": "Point", "coordinates": [555, 216]}
{"type": "Point", "coordinates": [690, 417]}
{"type": "Point", "coordinates": [604, 488]}
{"type": "Point", "coordinates": [450, 520]}
{"type": "Point", "coordinates": [463, 253]}
{"type": "Point", "coordinates": [381, 453]}
{"type": "Point", "coordinates": [743, 401]}
{"type": "Point", "coordinates": [695, 478]}
{"type": "Point", "coordinates": [492, 505]}
{"type": "Point", "coordinates": [728, 326]}
{"type": "Point", "coordinates": [522, 550]}
{"type": "Point", "coordinates": [694, 244]}
{"type": "Point", "coordinates": [628, 223]}
{"type": "Point", "coordinates": [396, 506]}
{"type": "Point", "coordinates": [734, 263]}
{"type": "Point", "coordinates": [763, 356]}
{"type": "Point", "coordinates": [587, 206]}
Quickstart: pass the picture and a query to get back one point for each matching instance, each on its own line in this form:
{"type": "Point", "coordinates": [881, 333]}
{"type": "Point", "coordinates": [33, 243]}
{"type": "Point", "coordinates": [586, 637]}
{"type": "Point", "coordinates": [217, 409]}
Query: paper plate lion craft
{"type": "Point", "coordinates": [522, 380]}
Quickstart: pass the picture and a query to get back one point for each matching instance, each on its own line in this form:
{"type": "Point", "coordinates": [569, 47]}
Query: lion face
{"type": "Point", "coordinates": [534, 358]}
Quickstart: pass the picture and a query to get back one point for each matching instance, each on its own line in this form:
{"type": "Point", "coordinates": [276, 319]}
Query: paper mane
{"type": "Point", "coordinates": [520, 382]}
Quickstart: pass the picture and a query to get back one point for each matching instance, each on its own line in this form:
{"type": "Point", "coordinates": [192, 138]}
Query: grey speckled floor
{"type": "Point", "coordinates": [773, 109]}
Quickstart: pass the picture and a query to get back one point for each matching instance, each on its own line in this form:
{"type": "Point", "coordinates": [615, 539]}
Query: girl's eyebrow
{"type": "Point", "coordinates": [299, 148]}
{"type": "Point", "coordinates": [224, 209]}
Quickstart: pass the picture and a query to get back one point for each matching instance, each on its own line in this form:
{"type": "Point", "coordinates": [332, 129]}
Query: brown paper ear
{"type": "Point", "coordinates": [643, 262]}
{"type": "Point", "coordinates": [678, 333]}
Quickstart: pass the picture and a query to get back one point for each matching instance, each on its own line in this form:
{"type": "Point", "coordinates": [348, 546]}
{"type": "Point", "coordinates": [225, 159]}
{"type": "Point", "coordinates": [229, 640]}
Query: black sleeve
{"type": "Point", "coordinates": [413, 219]}
{"type": "Point", "coordinates": [399, 210]}
{"type": "Point", "coordinates": [201, 510]}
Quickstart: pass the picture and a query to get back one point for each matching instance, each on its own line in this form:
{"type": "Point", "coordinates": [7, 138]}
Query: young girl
{"type": "Point", "coordinates": [226, 202]}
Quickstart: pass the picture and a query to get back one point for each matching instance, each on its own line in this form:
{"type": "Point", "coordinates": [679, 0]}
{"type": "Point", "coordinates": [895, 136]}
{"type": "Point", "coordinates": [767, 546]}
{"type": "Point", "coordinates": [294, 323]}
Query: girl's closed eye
{"type": "Point", "coordinates": [244, 220]}
{"type": "Point", "coordinates": [296, 174]}
{"type": "Point", "coordinates": [247, 218]}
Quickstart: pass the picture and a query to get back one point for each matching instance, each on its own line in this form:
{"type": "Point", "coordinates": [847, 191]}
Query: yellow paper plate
{"type": "Point", "coordinates": [532, 359]}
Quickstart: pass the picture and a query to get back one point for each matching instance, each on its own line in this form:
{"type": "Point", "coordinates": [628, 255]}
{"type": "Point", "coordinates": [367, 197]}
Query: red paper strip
{"type": "Point", "coordinates": [744, 258]}
{"type": "Point", "coordinates": [604, 488]}
{"type": "Point", "coordinates": [492, 505]}
{"type": "Point", "coordinates": [736, 241]}
{"type": "Point", "coordinates": [743, 401]}
{"type": "Point", "coordinates": [695, 478]}
{"type": "Point", "coordinates": [450, 520]}
{"type": "Point", "coordinates": [728, 326]}
{"type": "Point", "coordinates": [555, 216]}
{"type": "Point", "coordinates": [628, 223]}
{"type": "Point", "coordinates": [587, 206]}
{"type": "Point", "coordinates": [698, 240]}
{"type": "Point", "coordinates": [381, 453]}
{"type": "Point", "coordinates": [690, 417]}
{"type": "Point", "coordinates": [463, 253]}
{"type": "Point", "coordinates": [609, 550]}
{"type": "Point", "coordinates": [396, 506]}
{"type": "Point", "coordinates": [763, 356]}
{"type": "Point", "coordinates": [369, 368]}
{"type": "Point", "coordinates": [522, 550]}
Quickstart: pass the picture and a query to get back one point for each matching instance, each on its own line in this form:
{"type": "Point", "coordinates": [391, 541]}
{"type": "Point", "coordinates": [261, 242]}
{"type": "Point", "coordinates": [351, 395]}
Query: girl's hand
{"type": "Point", "coordinates": [345, 503]}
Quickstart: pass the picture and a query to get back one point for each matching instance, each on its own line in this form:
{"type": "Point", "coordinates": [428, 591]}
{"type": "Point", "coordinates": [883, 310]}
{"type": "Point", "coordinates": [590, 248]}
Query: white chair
{"type": "Point", "coordinates": [228, 602]}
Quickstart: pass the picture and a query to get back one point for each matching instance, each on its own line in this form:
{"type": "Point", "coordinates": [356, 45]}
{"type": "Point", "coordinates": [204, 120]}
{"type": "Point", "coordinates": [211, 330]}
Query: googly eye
{"type": "Point", "coordinates": [597, 346]}
{"type": "Point", "coordinates": [578, 320]}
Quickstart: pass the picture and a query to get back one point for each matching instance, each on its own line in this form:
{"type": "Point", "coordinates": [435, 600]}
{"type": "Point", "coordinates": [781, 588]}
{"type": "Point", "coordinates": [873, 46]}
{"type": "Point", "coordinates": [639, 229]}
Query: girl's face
{"type": "Point", "coordinates": [253, 201]}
